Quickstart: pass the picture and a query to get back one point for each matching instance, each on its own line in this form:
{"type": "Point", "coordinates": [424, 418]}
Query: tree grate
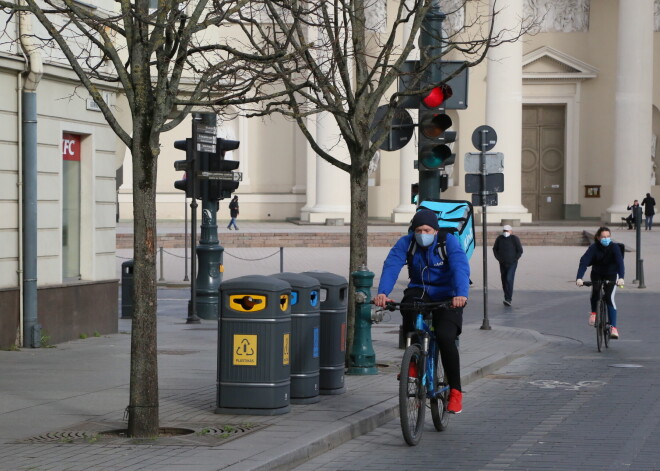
{"type": "Point", "coordinates": [181, 434]}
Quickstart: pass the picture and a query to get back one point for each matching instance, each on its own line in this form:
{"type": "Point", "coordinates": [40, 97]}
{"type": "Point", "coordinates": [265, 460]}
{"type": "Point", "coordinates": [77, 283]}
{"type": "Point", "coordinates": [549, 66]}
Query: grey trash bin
{"type": "Point", "coordinates": [305, 337]}
{"type": "Point", "coordinates": [254, 339]}
{"type": "Point", "coordinates": [334, 306]}
{"type": "Point", "coordinates": [127, 304]}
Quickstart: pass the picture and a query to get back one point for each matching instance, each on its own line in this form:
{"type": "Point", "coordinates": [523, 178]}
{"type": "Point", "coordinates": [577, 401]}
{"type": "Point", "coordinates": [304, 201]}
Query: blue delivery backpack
{"type": "Point", "coordinates": [454, 217]}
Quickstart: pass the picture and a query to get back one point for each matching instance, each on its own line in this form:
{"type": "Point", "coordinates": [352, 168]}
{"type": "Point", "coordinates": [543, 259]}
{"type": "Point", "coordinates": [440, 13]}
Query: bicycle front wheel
{"type": "Point", "coordinates": [605, 324]}
{"type": "Point", "coordinates": [439, 402]}
{"type": "Point", "coordinates": [412, 395]}
{"type": "Point", "coordinates": [600, 324]}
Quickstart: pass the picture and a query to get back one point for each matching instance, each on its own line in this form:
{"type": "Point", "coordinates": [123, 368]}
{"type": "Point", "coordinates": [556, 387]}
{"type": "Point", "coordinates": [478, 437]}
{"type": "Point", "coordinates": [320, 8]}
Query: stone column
{"type": "Point", "coordinates": [633, 107]}
{"type": "Point", "coordinates": [504, 108]}
{"type": "Point", "coordinates": [333, 192]}
{"type": "Point", "coordinates": [408, 175]}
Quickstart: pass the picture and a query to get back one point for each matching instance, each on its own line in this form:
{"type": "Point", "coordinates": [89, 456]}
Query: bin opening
{"type": "Point", "coordinates": [294, 298]}
{"type": "Point", "coordinates": [284, 302]}
{"type": "Point", "coordinates": [314, 298]}
{"type": "Point", "coordinates": [324, 294]}
{"type": "Point", "coordinates": [246, 302]}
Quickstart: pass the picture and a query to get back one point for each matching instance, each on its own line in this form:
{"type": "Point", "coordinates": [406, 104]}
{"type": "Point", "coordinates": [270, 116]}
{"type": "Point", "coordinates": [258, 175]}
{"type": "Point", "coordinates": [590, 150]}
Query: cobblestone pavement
{"type": "Point", "coordinates": [564, 407]}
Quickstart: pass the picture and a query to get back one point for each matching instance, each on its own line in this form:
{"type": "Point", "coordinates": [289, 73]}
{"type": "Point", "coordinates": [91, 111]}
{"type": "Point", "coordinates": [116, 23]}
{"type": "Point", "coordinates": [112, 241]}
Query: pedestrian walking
{"type": "Point", "coordinates": [233, 212]}
{"type": "Point", "coordinates": [649, 211]}
{"type": "Point", "coordinates": [507, 250]}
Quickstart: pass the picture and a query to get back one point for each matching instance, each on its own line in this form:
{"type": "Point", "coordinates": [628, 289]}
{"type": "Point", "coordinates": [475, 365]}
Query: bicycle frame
{"type": "Point", "coordinates": [430, 351]}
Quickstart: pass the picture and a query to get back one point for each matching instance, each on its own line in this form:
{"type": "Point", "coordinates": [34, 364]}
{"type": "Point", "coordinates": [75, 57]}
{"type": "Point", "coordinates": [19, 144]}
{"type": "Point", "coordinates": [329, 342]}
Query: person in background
{"type": "Point", "coordinates": [432, 279]}
{"type": "Point", "coordinates": [233, 212]}
{"type": "Point", "coordinates": [649, 211]}
{"type": "Point", "coordinates": [606, 263]}
{"type": "Point", "coordinates": [631, 219]}
{"type": "Point", "coordinates": [507, 250]}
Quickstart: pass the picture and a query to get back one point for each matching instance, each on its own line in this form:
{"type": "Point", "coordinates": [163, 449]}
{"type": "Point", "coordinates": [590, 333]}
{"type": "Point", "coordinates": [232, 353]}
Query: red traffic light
{"type": "Point", "coordinates": [437, 96]}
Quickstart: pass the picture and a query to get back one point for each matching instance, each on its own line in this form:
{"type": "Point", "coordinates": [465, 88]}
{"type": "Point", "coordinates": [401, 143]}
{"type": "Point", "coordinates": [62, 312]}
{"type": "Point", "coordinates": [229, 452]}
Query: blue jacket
{"type": "Point", "coordinates": [428, 270]}
{"type": "Point", "coordinates": [604, 261]}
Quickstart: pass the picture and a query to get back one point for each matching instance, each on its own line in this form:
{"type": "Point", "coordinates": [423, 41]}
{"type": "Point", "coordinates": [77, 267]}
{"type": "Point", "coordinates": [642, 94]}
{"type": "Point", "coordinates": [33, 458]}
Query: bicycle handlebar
{"type": "Point", "coordinates": [605, 282]}
{"type": "Point", "coordinates": [418, 305]}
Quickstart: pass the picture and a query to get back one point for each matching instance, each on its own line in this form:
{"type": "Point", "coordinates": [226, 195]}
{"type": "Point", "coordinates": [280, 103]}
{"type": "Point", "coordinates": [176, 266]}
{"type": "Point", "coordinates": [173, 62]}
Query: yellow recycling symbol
{"type": "Point", "coordinates": [245, 350]}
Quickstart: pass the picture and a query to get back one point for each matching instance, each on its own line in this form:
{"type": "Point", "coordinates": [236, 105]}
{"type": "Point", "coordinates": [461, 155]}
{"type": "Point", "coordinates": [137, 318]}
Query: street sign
{"type": "Point", "coordinates": [484, 138]}
{"type": "Point", "coordinates": [210, 148]}
{"type": "Point", "coordinates": [494, 183]}
{"type": "Point", "coordinates": [398, 132]}
{"type": "Point", "coordinates": [230, 176]}
{"type": "Point", "coordinates": [491, 200]}
{"type": "Point", "coordinates": [206, 138]}
{"type": "Point", "coordinates": [494, 162]}
{"type": "Point", "coordinates": [201, 128]}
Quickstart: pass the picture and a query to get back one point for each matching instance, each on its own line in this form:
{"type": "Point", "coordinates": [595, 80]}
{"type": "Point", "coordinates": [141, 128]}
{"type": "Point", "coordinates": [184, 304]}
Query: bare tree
{"type": "Point", "coordinates": [353, 55]}
{"type": "Point", "coordinates": [166, 60]}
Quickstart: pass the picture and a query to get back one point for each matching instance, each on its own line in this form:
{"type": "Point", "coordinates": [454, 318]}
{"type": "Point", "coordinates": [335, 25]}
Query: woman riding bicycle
{"type": "Point", "coordinates": [432, 279]}
{"type": "Point", "coordinates": [606, 263]}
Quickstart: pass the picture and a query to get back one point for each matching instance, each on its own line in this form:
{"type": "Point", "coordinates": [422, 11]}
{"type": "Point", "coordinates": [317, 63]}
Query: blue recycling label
{"type": "Point", "coordinates": [315, 352]}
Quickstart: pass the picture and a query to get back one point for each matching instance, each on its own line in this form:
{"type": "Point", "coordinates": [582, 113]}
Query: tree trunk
{"type": "Point", "coordinates": [358, 237]}
{"type": "Point", "coordinates": [143, 403]}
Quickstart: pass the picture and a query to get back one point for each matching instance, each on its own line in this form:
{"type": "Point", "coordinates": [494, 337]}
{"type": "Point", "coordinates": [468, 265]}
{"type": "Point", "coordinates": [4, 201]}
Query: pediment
{"type": "Point", "coordinates": [548, 64]}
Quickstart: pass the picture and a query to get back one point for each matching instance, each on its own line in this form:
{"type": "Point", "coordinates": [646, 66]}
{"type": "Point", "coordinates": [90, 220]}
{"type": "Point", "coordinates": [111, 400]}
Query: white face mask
{"type": "Point", "coordinates": [506, 233]}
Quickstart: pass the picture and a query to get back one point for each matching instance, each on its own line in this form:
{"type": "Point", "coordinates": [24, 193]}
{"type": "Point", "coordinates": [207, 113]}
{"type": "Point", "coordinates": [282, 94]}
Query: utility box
{"type": "Point", "coordinates": [254, 346]}
{"type": "Point", "coordinates": [305, 337]}
{"type": "Point", "coordinates": [127, 296]}
{"type": "Point", "coordinates": [334, 306]}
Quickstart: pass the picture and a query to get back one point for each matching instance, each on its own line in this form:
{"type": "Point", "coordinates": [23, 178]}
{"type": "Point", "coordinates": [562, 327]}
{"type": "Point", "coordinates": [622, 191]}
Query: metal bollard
{"type": "Point", "coordinates": [641, 274]}
{"type": "Point", "coordinates": [362, 358]}
{"type": "Point", "coordinates": [162, 277]}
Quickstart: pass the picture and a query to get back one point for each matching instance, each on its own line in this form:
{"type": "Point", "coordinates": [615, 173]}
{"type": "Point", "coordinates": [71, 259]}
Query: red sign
{"type": "Point", "coordinates": [71, 147]}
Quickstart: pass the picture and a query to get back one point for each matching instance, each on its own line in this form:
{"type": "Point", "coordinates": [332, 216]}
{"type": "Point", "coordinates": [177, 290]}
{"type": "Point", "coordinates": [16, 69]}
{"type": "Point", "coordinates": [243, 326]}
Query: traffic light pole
{"type": "Point", "coordinates": [192, 305]}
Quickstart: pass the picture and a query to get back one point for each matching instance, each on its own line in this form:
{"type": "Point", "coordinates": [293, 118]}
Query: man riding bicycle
{"type": "Point", "coordinates": [432, 278]}
{"type": "Point", "coordinates": [606, 263]}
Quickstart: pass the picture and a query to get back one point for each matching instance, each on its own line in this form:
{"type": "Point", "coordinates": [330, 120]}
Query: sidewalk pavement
{"type": "Point", "coordinates": [51, 397]}
{"type": "Point", "coordinates": [54, 401]}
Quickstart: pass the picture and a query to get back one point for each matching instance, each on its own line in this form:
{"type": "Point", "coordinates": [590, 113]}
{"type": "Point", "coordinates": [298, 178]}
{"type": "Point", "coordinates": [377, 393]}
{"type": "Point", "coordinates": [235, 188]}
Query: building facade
{"type": "Point", "coordinates": [573, 103]}
{"type": "Point", "coordinates": [57, 200]}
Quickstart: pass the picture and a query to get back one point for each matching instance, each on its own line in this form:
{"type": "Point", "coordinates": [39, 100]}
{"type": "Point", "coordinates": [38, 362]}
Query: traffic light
{"type": "Point", "coordinates": [433, 152]}
{"type": "Point", "coordinates": [223, 186]}
{"type": "Point", "coordinates": [186, 166]}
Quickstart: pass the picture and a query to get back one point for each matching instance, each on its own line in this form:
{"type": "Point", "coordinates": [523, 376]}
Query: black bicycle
{"type": "Point", "coordinates": [602, 324]}
{"type": "Point", "coordinates": [421, 375]}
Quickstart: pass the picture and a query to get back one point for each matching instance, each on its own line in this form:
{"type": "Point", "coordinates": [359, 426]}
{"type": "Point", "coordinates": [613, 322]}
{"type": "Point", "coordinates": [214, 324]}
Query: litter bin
{"type": "Point", "coordinates": [305, 337]}
{"type": "Point", "coordinates": [127, 290]}
{"type": "Point", "coordinates": [334, 305]}
{"type": "Point", "coordinates": [254, 339]}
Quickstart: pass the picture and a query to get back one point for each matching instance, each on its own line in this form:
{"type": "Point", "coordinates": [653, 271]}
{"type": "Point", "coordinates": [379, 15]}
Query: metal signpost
{"type": "Point", "coordinates": [484, 179]}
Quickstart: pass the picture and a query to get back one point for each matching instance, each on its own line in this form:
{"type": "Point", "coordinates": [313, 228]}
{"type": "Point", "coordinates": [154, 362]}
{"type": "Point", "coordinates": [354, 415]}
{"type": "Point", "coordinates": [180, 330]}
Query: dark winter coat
{"type": "Point", "coordinates": [507, 250]}
{"type": "Point", "coordinates": [233, 208]}
{"type": "Point", "coordinates": [649, 206]}
{"type": "Point", "coordinates": [604, 261]}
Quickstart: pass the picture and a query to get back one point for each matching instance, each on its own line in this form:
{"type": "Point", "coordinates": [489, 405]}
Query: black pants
{"type": "Point", "coordinates": [508, 273]}
{"type": "Point", "coordinates": [447, 325]}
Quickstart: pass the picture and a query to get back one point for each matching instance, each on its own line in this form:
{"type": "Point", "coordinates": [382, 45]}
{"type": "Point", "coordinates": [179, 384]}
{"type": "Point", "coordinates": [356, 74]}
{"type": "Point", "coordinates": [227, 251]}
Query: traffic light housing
{"type": "Point", "coordinates": [188, 166]}
{"type": "Point", "coordinates": [434, 137]}
{"type": "Point", "coordinates": [223, 188]}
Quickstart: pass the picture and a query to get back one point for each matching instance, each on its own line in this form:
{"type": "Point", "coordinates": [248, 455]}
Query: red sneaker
{"type": "Point", "coordinates": [455, 405]}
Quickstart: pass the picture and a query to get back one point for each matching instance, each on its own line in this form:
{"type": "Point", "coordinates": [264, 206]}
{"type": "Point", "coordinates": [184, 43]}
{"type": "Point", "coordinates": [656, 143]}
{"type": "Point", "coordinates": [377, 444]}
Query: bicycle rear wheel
{"type": "Point", "coordinates": [439, 402]}
{"type": "Point", "coordinates": [599, 324]}
{"type": "Point", "coordinates": [412, 395]}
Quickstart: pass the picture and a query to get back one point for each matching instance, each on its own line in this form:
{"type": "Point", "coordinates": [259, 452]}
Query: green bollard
{"type": "Point", "coordinates": [362, 359]}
